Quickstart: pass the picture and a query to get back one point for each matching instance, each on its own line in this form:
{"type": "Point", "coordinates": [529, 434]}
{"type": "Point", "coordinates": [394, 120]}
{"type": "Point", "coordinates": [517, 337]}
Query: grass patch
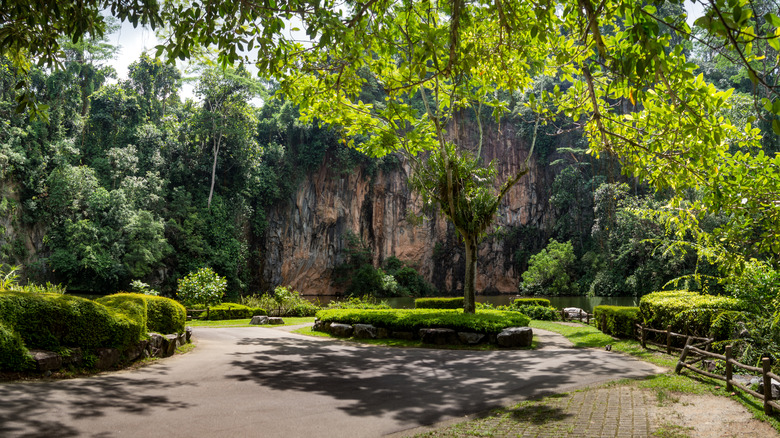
{"type": "Point", "coordinates": [245, 322]}
{"type": "Point", "coordinates": [580, 336]}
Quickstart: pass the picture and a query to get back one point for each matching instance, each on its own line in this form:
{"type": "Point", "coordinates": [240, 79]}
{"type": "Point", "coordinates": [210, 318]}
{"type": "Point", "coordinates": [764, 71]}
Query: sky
{"type": "Point", "coordinates": [134, 41]}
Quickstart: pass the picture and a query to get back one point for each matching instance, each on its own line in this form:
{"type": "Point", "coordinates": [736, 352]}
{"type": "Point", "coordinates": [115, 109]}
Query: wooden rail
{"type": "Point", "coordinates": [730, 363]}
{"type": "Point", "coordinates": [643, 331]}
{"type": "Point", "coordinates": [190, 312]}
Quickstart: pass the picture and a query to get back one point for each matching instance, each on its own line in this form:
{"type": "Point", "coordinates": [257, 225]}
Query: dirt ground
{"type": "Point", "coordinates": [709, 416]}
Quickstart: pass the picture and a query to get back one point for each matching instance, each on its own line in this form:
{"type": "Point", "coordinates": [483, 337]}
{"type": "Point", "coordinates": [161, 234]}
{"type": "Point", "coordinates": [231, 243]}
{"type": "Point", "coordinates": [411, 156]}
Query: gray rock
{"type": "Point", "coordinates": [470, 338]}
{"type": "Point", "coordinates": [407, 336]}
{"type": "Point", "coordinates": [76, 357]}
{"type": "Point", "coordinates": [168, 347]}
{"type": "Point", "coordinates": [155, 340]}
{"type": "Point", "coordinates": [106, 358]}
{"type": "Point", "coordinates": [382, 333]}
{"type": "Point", "coordinates": [259, 320]}
{"type": "Point", "coordinates": [775, 385]}
{"type": "Point", "coordinates": [341, 330]}
{"type": "Point", "coordinates": [275, 320]}
{"type": "Point", "coordinates": [188, 334]}
{"type": "Point", "coordinates": [320, 326]}
{"type": "Point", "coordinates": [364, 331]}
{"type": "Point", "coordinates": [515, 337]}
{"type": "Point", "coordinates": [575, 313]}
{"type": "Point", "coordinates": [133, 352]}
{"type": "Point", "coordinates": [182, 339]}
{"type": "Point", "coordinates": [46, 360]}
{"type": "Point", "coordinates": [439, 336]}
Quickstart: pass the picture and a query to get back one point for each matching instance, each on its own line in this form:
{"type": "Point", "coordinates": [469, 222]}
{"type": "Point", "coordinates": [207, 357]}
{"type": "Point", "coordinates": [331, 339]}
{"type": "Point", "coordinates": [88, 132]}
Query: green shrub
{"type": "Point", "coordinates": [438, 303]}
{"type": "Point", "coordinates": [165, 315]}
{"type": "Point", "coordinates": [283, 301]}
{"type": "Point", "coordinates": [686, 311]}
{"type": "Point", "coordinates": [364, 302]}
{"type": "Point", "coordinates": [617, 320]}
{"type": "Point", "coordinates": [203, 286]}
{"type": "Point", "coordinates": [539, 313]}
{"type": "Point", "coordinates": [13, 355]}
{"type": "Point", "coordinates": [157, 314]}
{"type": "Point", "coordinates": [531, 302]}
{"type": "Point", "coordinates": [233, 311]}
{"type": "Point", "coordinates": [486, 321]}
{"type": "Point", "coordinates": [52, 321]}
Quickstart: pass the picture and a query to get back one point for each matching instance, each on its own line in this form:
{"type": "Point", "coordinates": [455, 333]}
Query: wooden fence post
{"type": "Point", "coordinates": [729, 369]}
{"type": "Point", "coordinates": [587, 318]}
{"type": "Point", "coordinates": [563, 315]}
{"type": "Point", "coordinates": [669, 339]}
{"type": "Point", "coordinates": [643, 336]}
{"type": "Point", "coordinates": [766, 368]}
{"type": "Point", "coordinates": [683, 356]}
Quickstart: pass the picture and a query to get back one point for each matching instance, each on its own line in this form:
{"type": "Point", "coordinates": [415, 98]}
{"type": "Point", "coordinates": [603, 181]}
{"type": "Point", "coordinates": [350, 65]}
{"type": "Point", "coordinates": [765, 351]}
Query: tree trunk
{"type": "Point", "coordinates": [213, 171]}
{"type": "Point", "coordinates": [470, 282]}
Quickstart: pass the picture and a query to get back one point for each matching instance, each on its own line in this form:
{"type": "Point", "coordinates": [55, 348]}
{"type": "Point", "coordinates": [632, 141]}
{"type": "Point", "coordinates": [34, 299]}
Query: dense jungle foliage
{"type": "Point", "coordinates": [125, 181]}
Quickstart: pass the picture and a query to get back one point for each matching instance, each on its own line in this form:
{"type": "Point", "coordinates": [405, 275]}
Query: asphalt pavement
{"type": "Point", "coordinates": [267, 382]}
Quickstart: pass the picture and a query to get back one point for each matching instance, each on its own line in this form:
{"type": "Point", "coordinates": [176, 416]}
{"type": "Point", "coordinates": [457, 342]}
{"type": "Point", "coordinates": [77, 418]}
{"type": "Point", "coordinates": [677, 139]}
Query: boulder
{"type": "Point", "coordinates": [320, 326]}
{"type": "Point", "coordinates": [46, 360]}
{"type": "Point", "coordinates": [188, 334]}
{"type": "Point", "coordinates": [382, 333]}
{"type": "Point", "coordinates": [155, 340]}
{"type": "Point", "coordinates": [470, 338]}
{"type": "Point", "coordinates": [515, 337]}
{"type": "Point", "coordinates": [259, 320]}
{"type": "Point", "coordinates": [106, 358]}
{"type": "Point", "coordinates": [341, 330]}
{"type": "Point", "coordinates": [168, 347]}
{"type": "Point", "coordinates": [439, 336]}
{"type": "Point", "coordinates": [182, 339]}
{"type": "Point", "coordinates": [775, 385]}
{"type": "Point", "coordinates": [134, 351]}
{"type": "Point", "coordinates": [276, 320]}
{"type": "Point", "coordinates": [364, 331]}
{"type": "Point", "coordinates": [575, 313]}
{"type": "Point", "coordinates": [76, 357]}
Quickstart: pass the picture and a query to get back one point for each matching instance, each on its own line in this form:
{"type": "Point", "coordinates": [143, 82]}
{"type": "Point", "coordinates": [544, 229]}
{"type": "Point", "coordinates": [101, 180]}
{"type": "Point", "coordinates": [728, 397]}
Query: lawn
{"type": "Point", "coordinates": [245, 322]}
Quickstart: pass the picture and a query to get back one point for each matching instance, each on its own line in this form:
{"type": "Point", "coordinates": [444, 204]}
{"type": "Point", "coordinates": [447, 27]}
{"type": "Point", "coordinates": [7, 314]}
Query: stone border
{"type": "Point", "coordinates": [511, 337]}
{"type": "Point", "coordinates": [157, 345]}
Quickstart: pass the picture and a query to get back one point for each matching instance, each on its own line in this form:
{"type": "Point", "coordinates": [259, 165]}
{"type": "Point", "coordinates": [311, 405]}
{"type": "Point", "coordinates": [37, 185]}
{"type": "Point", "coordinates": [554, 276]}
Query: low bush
{"type": "Point", "coordinates": [13, 355]}
{"type": "Point", "coordinates": [364, 302]}
{"type": "Point", "coordinates": [232, 311]}
{"type": "Point", "coordinates": [686, 311]}
{"type": "Point", "coordinates": [53, 321]}
{"type": "Point", "coordinates": [157, 314]}
{"type": "Point", "coordinates": [531, 302]}
{"type": "Point", "coordinates": [539, 313]}
{"type": "Point", "coordinates": [283, 301]}
{"type": "Point", "coordinates": [203, 286]}
{"type": "Point", "coordinates": [438, 303]}
{"type": "Point", "coordinates": [486, 321]}
{"type": "Point", "coordinates": [617, 321]}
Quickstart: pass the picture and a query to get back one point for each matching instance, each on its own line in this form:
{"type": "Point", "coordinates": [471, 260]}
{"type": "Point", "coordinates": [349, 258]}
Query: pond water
{"type": "Point", "coordinates": [583, 302]}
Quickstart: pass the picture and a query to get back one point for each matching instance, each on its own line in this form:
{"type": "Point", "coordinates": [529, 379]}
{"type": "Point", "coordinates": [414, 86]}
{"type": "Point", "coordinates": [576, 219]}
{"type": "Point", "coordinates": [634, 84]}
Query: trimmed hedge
{"type": "Point", "coordinates": [13, 355]}
{"type": "Point", "coordinates": [617, 321]}
{"type": "Point", "coordinates": [686, 311]}
{"type": "Point", "coordinates": [165, 315]}
{"type": "Point", "coordinates": [539, 313]}
{"type": "Point", "coordinates": [438, 303]}
{"type": "Point", "coordinates": [485, 321]}
{"type": "Point", "coordinates": [157, 314]}
{"type": "Point", "coordinates": [531, 302]}
{"type": "Point", "coordinates": [233, 311]}
{"type": "Point", "coordinates": [53, 321]}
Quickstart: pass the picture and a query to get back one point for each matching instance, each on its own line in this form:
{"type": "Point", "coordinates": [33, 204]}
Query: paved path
{"type": "Point", "coordinates": [252, 382]}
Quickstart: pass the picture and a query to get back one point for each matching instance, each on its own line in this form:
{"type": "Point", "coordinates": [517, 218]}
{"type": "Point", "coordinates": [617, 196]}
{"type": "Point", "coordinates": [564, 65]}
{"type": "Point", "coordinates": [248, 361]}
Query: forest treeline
{"type": "Point", "coordinates": [126, 181]}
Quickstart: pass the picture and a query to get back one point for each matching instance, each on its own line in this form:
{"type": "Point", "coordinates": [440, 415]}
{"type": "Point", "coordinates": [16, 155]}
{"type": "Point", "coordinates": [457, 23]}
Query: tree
{"type": "Point", "coordinates": [225, 119]}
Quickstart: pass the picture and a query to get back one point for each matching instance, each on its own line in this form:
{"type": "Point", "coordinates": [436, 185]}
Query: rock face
{"type": "Point", "coordinates": [305, 238]}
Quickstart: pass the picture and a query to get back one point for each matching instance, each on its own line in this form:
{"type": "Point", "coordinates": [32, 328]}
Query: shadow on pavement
{"type": "Point", "coordinates": [24, 406]}
{"type": "Point", "coordinates": [419, 386]}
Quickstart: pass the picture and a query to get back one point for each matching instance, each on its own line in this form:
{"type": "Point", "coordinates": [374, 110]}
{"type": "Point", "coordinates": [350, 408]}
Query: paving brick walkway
{"type": "Point", "coordinates": [604, 412]}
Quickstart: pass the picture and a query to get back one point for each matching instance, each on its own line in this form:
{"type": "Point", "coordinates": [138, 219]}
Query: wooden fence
{"type": "Point", "coordinates": [581, 316]}
{"type": "Point", "coordinates": [670, 335]}
{"type": "Point", "coordinates": [730, 362]}
{"type": "Point", "coordinates": [192, 312]}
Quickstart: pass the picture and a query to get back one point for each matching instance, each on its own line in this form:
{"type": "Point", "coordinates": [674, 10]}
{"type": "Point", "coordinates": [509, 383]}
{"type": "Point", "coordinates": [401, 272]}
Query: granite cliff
{"type": "Point", "coordinates": [305, 238]}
